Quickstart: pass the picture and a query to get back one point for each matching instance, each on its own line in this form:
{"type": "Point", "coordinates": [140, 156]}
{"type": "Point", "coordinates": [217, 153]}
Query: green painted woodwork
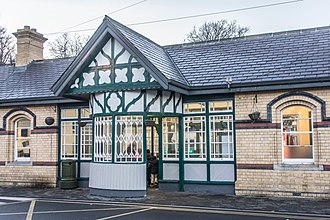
{"type": "Point", "coordinates": [106, 73]}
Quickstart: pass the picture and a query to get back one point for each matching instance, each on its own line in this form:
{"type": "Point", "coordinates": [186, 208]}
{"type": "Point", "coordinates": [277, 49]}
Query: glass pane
{"type": "Point", "coordinates": [23, 123]}
{"type": "Point", "coordinates": [220, 106]}
{"type": "Point", "coordinates": [221, 137]}
{"type": "Point", "coordinates": [86, 141]}
{"type": "Point", "coordinates": [85, 113]}
{"type": "Point", "coordinates": [23, 136]}
{"type": "Point", "coordinates": [195, 142]}
{"type": "Point", "coordinates": [69, 133]}
{"type": "Point", "coordinates": [69, 113]}
{"type": "Point", "coordinates": [198, 107]}
{"type": "Point", "coordinates": [171, 138]}
{"type": "Point", "coordinates": [297, 133]}
{"type": "Point", "coordinates": [298, 152]}
{"type": "Point", "coordinates": [152, 138]}
{"type": "Point", "coordinates": [129, 138]}
{"type": "Point", "coordinates": [297, 139]}
{"type": "Point", "coordinates": [103, 139]}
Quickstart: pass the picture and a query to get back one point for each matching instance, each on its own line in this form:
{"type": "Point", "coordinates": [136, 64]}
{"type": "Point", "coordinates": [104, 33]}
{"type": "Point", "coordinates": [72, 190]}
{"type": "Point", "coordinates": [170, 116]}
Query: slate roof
{"type": "Point", "coordinates": [32, 81]}
{"type": "Point", "coordinates": [152, 51]}
{"type": "Point", "coordinates": [284, 57]}
{"type": "Point", "coordinates": [270, 59]}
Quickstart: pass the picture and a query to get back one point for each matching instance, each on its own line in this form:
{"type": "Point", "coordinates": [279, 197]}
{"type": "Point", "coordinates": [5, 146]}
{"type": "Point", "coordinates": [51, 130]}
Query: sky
{"type": "Point", "coordinates": [49, 16]}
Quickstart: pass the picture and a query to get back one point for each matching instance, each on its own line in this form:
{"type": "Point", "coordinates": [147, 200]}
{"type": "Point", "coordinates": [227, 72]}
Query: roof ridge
{"type": "Point", "coordinates": [125, 28]}
{"type": "Point", "coordinates": [114, 21]}
{"type": "Point", "coordinates": [177, 68]}
{"type": "Point", "coordinates": [253, 37]}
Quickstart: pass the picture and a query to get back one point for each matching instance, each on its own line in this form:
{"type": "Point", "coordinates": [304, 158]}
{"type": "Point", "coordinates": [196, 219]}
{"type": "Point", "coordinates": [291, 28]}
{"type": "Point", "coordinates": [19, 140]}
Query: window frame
{"type": "Point", "coordinates": [298, 160]}
{"type": "Point", "coordinates": [16, 158]}
{"type": "Point", "coordinates": [177, 143]}
{"type": "Point", "coordinates": [205, 153]}
{"type": "Point", "coordinates": [98, 133]}
{"type": "Point", "coordinates": [140, 159]}
{"type": "Point", "coordinates": [77, 119]}
{"type": "Point", "coordinates": [228, 132]}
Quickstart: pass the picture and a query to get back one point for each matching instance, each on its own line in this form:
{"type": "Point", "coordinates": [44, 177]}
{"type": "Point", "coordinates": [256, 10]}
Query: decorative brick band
{"type": "Point", "coordinates": [257, 125]}
{"type": "Point", "coordinates": [326, 167]}
{"type": "Point", "coordinates": [4, 132]}
{"type": "Point", "coordinates": [255, 166]}
{"type": "Point", "coordinates": [45, 130]}
{"type": "Point", "coordinates": [323, 124]}
{"type": "Point", "coordinates": [44, 163]}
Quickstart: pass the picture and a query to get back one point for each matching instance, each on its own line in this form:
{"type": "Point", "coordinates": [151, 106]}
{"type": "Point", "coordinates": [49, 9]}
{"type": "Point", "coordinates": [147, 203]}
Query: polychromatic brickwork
{"type": "Point", "coordinates": [41, 170]}
{"type": "Point", "coordinates": [259, 147]}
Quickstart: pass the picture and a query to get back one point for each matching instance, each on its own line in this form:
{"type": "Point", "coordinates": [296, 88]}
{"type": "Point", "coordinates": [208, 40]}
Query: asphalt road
{"type": "Point", "coordinates": [46, 209]}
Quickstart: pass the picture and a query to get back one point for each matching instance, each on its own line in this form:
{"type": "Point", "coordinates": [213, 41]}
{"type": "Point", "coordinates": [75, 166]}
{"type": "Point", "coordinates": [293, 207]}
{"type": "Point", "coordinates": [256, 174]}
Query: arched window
{"type": "Point", "coordinates": [22, 139]}
{"type": "Point", "coordinates": [297, 134]}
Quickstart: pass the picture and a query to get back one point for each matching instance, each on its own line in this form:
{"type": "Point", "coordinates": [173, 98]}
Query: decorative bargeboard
{"type": "Point", "coordinates": [113, 68]}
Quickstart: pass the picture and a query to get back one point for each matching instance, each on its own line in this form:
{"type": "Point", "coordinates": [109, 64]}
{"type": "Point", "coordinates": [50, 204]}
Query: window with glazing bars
{"type": "Point", "coordinates": [195, 137]}
{"type": "Point", "coordinates": [221, 137]}
{"type": "Point", "coordinates": [103, 139]}
{"type": "Point", "coordinates": [129, 139]}
{"type": "Point", "coordinates": [170, 138]}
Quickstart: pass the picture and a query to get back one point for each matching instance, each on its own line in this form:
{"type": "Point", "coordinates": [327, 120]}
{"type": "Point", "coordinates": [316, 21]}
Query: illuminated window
{"type": "Point", "coordinates": [221, 137]}
{"type": "Point", "coordinates": [197, 107]}
{"type": "Point", "coordinates": [297, 134]}
{"type": "Point", "coordinates": [170, 138]}
{"type": "Point", "coordinates": [69, 131]}
{"type": "Point", "coordinates": [22, 139]}
{"type": "Point", "coordinates": [221, 106]}
{"type": "Point", "coordinates": [86, 141]}
{"type": "Point", "coordinates": [76, 127]}
{"type": "Point", "coordinates": [195, 137]}
{"type": "Point", "coordinates": [69, 113]}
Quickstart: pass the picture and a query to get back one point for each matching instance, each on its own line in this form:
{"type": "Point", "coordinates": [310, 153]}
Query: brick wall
{"type": "Point", "coordinates": [260, 169]}
{"type": "Point", "coordinates": [41, 170]}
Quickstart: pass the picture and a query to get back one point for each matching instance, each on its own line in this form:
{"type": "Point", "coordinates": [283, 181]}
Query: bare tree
{"type": "Point", "coordinates": [7, 47]}
{"type": "Point", "coordinates": [67, 45]}
{"type": "Point", "coordinates": [216, 30]}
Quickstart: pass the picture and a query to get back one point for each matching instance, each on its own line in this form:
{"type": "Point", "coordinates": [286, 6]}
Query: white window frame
{"type": "Point", "coordinates": [298, 161]}
{"type": "Point", "coordinates": [83, 142]}
{"type": "Point", "coordinates": [203, 153]}
{"type": "Point", "coordinates": [63, 144]}
{"type": "Point", "coordinates": [230, 117]}
{"type": "Point", "coordinates": [165, 142]}
{"type": "Point", "coordinates": [191, 113]}
{"type": "Point", "coordinates": [16, 158]}
{"type": "Point", "coordinates": [211, 106]}
{"type": "Point", "coordinates": [103, 140]}
{"type": "Point", "coordinates": [119, 156]}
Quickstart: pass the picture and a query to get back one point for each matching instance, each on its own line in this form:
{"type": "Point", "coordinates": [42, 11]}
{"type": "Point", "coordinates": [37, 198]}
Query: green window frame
{"type": "Point", "coordinates": [76, 133]}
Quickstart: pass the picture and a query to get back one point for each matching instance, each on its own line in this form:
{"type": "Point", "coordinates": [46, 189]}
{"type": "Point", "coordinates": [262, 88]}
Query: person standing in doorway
{"type": "Point", "coordinates": [154, 171]}
{"type": "Point", "coordinates": [148, 167]}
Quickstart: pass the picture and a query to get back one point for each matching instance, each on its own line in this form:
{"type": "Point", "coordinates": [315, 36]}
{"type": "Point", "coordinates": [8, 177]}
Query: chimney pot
{"type": "Point", "coordinates": [29, 45]}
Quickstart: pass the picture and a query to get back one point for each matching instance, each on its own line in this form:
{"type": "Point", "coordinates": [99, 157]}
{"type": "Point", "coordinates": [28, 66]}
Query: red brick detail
{"type": "Point", "coordinates": [326, 167]}
{"type": "Point", "coordinates": [5, 132]}
{"type": "Point", "coordinates": [44, 163]}
{"type": "Point", "coordinates": [257, 125]}
{"type": "Point", "coordinates": [255, 166]}
{"type": "Point", "coordinates": [322, 123]}
{"type": "Point", "coordinates": [44, 131]}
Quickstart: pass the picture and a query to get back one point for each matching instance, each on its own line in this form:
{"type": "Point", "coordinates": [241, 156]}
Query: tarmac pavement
{"type": "Point", "coordinates": [156, 197]}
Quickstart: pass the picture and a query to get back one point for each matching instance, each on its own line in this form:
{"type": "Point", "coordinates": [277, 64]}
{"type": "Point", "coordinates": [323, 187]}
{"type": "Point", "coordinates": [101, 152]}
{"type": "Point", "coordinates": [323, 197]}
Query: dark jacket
{"type": "Point", "coordinates": [153, 164]}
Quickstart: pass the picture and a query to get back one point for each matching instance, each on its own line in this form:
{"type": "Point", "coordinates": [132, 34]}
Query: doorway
{"type": "Point", "coordinates": [152, 151]}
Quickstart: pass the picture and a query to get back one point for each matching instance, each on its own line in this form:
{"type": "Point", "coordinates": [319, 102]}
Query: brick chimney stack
{"type": "Point", "coordinates": [29, 45]}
